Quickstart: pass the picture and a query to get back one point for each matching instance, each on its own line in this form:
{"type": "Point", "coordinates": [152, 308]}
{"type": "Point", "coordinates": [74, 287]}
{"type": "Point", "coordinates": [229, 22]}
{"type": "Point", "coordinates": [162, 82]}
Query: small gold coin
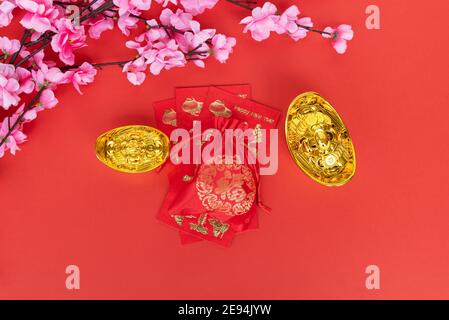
{"type": "Point", "coordinates": [132, 149]}
{"type": "Point", "coordinates": [318, 140]}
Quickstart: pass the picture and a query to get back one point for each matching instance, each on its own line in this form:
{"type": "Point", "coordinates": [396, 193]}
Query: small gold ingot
{"type": "Point", "coordinates": [318, 140]}
{"type": "Point", "coordinates": [133, 149]}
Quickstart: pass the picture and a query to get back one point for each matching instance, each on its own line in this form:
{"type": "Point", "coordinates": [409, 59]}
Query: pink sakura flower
{"type": "Point", "coordinates": [47, 100]}
{"type": "Point", "coordinates": [132, 6]}
{"type": "Point", "coordinates": [222, 47]}
{"type": "Point", "coordinates": [47, 77]}
{"type": "Point", "coordinates": [9, 47]}
{"type": "Point", "coordinates": [286, 22]}
{"type": "Point", "coordinates": [135, 71]}
{"type": "Point", "coordinates": [302, 31]}
{"type": "Point", "coordinates": [137, 45]}
{"type": "Point", "coordinates": [194, 43]}
{"type": "Point", "coordinates": [166, 56]}
{"type": "Point", "coordinates": [339, 37]}
{"type": "Point", "coordinates": [83, 75]}
{"type": "Point", "coordinates": [196, 7]}
{"type": "Point", "coordinates": [9, 86]}
{"type": "Point", "coordinates": [155, 33]}
{"type": "Point", "coordinates": [6, 8]}
{"type": "Point", "coordinates": [14, 139]}
{"type": "Point", "coordinates": [67, 39]}
{"type": "Point", "coordinates": [40, 14]}
{"type": "Point", "coordinates": [17, 136]}
{"type": "Point", "coordinates": [126, 23]}
{"type": "Point", "coordinates": [37, 61]}
{"type": "Point", "coordinates": [289, 23]}
{"type": "Point", "coordinates": [25, 80]}
{"type": "Point", "coordinates": [179, 20]}
{"type": "Point", "coordinates": [261, 22]}
{"type": "Point", "coordinates": [141, 4]}
{"type": "Point", "coordinates": [99, 25]}
{"type": "Point", "coordinates": [166, 2]}
{"type": "Point", "coordinates": [30, 115]}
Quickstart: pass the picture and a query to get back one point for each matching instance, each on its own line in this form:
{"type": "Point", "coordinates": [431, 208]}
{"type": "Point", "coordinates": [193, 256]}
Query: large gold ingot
{"type": "Point", "coordinates": [132, 149]}
{"type": "Point", "coordinates": [318, 140]}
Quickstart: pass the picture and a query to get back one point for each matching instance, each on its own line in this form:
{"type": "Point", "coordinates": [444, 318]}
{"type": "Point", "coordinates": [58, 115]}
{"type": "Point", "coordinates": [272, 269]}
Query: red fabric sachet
{"type": "Point", "coordinates": [214, 201]}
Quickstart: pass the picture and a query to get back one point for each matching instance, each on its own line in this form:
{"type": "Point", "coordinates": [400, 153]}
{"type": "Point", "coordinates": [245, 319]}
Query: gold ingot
{"type": "Point", "coordinates": [133, 149]}
{"type": "Point", "coordinates": [318, 140]}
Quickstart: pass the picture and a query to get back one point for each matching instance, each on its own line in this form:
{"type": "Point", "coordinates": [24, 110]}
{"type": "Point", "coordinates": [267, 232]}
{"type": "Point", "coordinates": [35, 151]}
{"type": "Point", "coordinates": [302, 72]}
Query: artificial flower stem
{"type": "Point", "coordinates": [88, 7]}
{"type": "Point", "coordinates": [40, 39]}
{"type": "Point", "coordinates": [98, 65]}
{"type": "Point", "coordinates": [105, 6]}
{"type": "Point", "coordinates": [30, 106]}
{"type": "Point", "coordinates": [313, 30]}
{"type": "Point", "coordinates": [26, 34]}
{"type": "Point", "coordinates": [238, 3]}
{"type": "Point", "coordinates": [42, 47]}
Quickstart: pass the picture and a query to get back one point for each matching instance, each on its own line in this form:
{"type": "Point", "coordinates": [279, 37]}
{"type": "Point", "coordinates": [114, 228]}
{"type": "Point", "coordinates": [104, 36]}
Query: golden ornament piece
{"type": "Point", "coordinates": [318, 140]}
{"type": "Point", "coordinates": [199, 227]}
{"type": "Point", "coordinates": [169, 117]}
{"type": "Point", "coordinates": [193, 107]}
{"type": "Point", "coordinates": [219, 227]}
{"type": "Point", "coordinates": [219, 109]}
{"type": "Point", "coordinates": [133, 149]}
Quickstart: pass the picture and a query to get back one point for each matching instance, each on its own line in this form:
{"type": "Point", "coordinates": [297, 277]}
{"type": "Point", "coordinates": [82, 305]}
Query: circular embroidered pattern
{"type": "Point", "coordinates": [226, 188]}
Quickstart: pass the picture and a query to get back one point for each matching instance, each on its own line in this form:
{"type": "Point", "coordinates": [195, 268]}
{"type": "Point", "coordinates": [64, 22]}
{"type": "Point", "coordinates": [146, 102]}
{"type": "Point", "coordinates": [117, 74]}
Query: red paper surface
{"type": "Point", "coordinates": [61, 206]}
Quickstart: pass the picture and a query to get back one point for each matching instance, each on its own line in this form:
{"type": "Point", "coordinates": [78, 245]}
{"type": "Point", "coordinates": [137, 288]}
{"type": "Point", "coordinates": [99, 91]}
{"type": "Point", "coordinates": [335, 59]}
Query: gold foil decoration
{"type": "Point", "coordinates": [219, 109]}
{"type": "Point", "coordinates": [132, 149]}
{"type": "Point", "coordinates": [318, 140]}
{"type": "Point", "coordinates": [226, 188]}
{"type": "Point", "coordinates": [180, 219]}
{"type": "Point", "coordinates": [258, 133]}
{"type": "Point", "coordinates": [169, 117]}
{"type": "Point", "coordinates": [219, 227]}
{"type": "Point", "coordinates": [200, 226]}
{"type": "Point", "coordinates": [193, 107]}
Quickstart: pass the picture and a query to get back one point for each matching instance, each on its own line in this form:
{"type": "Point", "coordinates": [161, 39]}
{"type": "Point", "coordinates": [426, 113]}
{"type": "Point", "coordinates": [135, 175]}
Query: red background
{"type": "Point", "coordinates": [61, 206]}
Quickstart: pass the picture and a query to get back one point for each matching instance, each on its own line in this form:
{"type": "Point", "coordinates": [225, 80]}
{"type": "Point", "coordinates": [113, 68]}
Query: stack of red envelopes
{"type": "Point", "coordinates": [212, 200]}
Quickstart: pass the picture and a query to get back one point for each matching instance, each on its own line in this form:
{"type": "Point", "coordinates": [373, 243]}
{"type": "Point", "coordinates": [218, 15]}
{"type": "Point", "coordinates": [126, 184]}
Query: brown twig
{"type": "Point", "coordinates": [26, 33]}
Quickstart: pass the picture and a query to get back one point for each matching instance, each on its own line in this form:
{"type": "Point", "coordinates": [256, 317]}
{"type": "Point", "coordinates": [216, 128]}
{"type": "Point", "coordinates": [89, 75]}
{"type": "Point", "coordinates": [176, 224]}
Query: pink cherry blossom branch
{"type": "Point", "coordinates": [29, 106]}
{"type": "Point", "coordinates": [314, 30]}
{"type": "Point", "coordinates": [26, 34]}
{"type": "Point", "coordinates": [48, 36]}
{"type": "Point", "coordinates": [99, 65]}
{"type": "Point", "coordinates": [239, 3]}
{"type": "Point", "coordinates": [28, 57]}
{"type": "Point", "coordinates": [168, 45]}
{"type": "Point", "coordinates": [105, 6]}
{"type": "Point", "coordinates": [44, 36]}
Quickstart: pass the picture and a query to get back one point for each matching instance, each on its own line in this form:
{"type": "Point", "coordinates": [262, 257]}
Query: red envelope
{"type": "Point", "coordinates": [165, 115]}
{"type": "Point", "coordinates": [190, 102]}
{"type": "Point", "coordinates": [182, 209]}
{"type": "Point", "coordinates": [221, 102]}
